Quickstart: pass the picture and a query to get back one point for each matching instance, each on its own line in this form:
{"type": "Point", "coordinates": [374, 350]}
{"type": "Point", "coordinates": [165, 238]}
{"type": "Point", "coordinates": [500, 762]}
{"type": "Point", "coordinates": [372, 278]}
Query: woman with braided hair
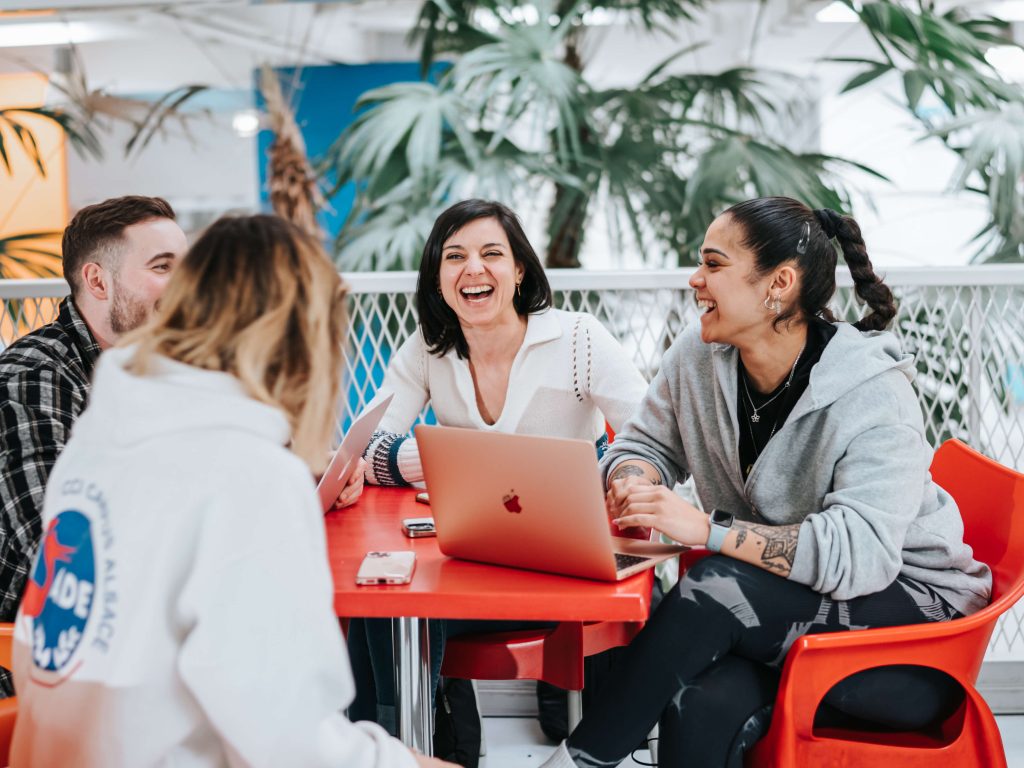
{"type": "Point", "coordinates": [804, 436]}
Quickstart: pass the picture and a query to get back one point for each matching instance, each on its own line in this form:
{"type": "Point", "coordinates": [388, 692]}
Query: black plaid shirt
{"type": "Point", "coordinates": [44, 386]}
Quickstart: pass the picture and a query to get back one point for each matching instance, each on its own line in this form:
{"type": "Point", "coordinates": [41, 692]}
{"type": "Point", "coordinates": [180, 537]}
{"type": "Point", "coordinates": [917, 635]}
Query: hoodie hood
{"type": "Point", "coordinates": [851, 358]}
{"type": "Point", "coordinates": [172, 398]}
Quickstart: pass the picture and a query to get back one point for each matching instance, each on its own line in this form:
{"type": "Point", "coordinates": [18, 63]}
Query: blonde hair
{"type": "Point", "coordinates": [258, 298]}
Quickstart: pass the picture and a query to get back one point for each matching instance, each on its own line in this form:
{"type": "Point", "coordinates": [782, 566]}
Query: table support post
{"type": "Point", "coordinates": [415, 704]}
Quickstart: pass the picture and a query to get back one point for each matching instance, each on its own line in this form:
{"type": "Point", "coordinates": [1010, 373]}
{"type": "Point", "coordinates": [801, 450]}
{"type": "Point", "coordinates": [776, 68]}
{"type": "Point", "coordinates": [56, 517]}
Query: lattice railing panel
{"type": "Point", "coordinates": [966, 330]}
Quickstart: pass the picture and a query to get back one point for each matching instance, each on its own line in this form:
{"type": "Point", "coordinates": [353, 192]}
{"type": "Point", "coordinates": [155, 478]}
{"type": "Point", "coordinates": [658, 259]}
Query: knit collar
{"type": "Point", "coordinates": [541, 327]}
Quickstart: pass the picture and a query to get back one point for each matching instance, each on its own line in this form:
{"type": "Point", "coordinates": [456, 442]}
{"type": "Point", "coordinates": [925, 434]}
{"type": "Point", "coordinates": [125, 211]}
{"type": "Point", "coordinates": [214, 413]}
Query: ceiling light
{"type": "Point", "coordinates": [49, 33]}
{"type": "Point", "coordinates": [1008, 61]}
{"type": "Point", "coordinates": [837, 13]}
{"type": "Point", "coordinates": [246, 123]}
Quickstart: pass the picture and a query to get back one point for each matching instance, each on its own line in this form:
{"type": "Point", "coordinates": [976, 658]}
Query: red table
{"type": "Point", "coordinates": [443, 587]}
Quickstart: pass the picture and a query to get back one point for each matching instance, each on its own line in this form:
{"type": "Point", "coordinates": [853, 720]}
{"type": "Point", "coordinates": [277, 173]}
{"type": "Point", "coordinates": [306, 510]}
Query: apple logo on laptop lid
{"type": "Point", "coordinates": [511, 502]}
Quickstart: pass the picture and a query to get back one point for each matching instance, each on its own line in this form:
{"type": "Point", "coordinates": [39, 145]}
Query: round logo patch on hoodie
{"type": "Point", "coordinates": [60, 593]}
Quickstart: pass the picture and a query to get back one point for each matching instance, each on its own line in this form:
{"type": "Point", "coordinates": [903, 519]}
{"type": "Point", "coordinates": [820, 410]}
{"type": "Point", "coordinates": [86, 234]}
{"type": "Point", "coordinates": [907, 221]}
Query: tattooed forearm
{"type": "Point", "coordinates": [772, 547]}
{"type": "Point", "coordinates": [630, 470]}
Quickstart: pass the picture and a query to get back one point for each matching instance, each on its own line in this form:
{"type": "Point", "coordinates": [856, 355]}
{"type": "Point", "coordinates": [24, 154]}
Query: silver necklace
{"type": "Point", "coordinates": [755, 416]}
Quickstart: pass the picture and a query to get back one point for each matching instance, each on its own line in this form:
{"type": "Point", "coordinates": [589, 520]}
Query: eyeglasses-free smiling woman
{"type": "Point", "coordinates": [805, 437]}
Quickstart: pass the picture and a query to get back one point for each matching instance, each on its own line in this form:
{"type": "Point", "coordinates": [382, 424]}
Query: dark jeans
{"type": "Point", "coordinates": [707, 665]}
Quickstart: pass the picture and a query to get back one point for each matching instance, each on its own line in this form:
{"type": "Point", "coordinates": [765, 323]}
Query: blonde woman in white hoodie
{"type": "Point", "coordinates": [179, 611]}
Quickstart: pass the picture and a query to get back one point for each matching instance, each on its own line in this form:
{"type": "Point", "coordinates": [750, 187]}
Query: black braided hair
{"type": "Point", "coordinates": [781, 229]}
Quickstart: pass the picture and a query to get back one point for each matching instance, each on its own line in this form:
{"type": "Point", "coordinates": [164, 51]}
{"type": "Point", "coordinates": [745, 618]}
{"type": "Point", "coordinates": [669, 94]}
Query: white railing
{"type": "Point", "coordinates": [965, 325]}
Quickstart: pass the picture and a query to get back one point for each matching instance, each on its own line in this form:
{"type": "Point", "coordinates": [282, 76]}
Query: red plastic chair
{"type": "Point", "coordinates": [8, 707]}
{"type": "Point", "coordinates": [552, 655]}
{"type": "Point", "coordinates": [991, 501]}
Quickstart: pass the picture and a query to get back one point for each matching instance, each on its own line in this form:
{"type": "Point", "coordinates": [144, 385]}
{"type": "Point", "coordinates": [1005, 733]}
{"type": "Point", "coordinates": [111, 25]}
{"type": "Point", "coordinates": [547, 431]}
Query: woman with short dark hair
{"type": "Point", "coordinates": [805, 437]}
{"type": "Point", "coordinates": [491, 352]}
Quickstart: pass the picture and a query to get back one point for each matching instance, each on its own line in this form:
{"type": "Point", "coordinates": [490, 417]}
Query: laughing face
{"type": "Point", "coordinates": [479, 274]}
{"type": "Point", "coordinates": [729, 294]}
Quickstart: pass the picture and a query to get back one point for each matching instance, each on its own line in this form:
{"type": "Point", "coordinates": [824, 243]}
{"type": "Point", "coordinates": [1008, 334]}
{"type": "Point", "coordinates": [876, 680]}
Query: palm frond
{"type": "Point", "coordinates": [411, 118]}
{"type": "Point", "coordinates": [164, 108]}
{"type": "Point", "coordinates": [739, 96]}
{"type": "Point", "coordinates": [991, 148]}
{"type": "Point", "coordinates": [26, 255]}
{"type": "Point", "coordinates": [78, 132]}
{"type": "Point", "coordinates": [943, 53]}
{"type": "Point", "coordinates": [520, 74]}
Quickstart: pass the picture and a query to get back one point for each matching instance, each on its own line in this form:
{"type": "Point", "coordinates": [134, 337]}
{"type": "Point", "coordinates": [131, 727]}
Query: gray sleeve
{"type": "Point", "coordinates": [652, 433]}
{"type": "Point", "coordinates": [854, 545]}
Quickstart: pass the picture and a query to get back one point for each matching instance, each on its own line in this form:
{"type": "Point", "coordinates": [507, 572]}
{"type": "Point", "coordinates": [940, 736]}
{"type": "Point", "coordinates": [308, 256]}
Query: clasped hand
{"type": "Point", "coordinates": [636, 502]}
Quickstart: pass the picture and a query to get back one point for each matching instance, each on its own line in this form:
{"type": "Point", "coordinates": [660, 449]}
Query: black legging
{"type": "Point", "coordinates": [707, 666]}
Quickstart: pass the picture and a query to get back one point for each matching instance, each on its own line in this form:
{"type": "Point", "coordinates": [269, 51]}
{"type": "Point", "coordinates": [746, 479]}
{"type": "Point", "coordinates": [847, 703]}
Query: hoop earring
{"type": "Point", "coordinates": [776, 303]}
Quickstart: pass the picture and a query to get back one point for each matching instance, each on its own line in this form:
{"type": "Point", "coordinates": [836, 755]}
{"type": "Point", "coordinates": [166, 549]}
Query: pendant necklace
{"type": "Point", "coordinates": [755, 416]}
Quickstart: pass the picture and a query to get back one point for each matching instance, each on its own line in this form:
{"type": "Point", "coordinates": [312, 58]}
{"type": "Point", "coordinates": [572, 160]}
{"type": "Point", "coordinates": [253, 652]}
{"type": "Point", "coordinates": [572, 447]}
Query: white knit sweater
{"type": "Point", "coordinates": [569, 377]}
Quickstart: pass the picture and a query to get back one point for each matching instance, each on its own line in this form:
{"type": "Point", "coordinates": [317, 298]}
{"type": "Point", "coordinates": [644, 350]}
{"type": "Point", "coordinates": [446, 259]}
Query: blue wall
{"type": "Point", "coordinates": [325, 102]}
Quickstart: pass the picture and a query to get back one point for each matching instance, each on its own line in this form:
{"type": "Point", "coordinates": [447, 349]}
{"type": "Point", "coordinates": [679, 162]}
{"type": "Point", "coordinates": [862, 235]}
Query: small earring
{"type": "Point", "coordinates": [775, 304]}
{"type": "Point", "coordinates": [517, 288]}
{"type": "Point", "coordinates": [438, 289]}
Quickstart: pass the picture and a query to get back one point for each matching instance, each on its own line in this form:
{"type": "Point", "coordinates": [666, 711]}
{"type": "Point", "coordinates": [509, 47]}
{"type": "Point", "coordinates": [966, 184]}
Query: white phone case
{"type": "Point", "coordinates": [386, 568]}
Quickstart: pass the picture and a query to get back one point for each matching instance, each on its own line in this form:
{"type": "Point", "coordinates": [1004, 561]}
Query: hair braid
{"type": "Point", "coordinates": [866, 283]}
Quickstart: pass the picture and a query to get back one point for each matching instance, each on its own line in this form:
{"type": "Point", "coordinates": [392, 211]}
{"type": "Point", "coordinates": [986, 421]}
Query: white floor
{"type": "Point", "coordinates": [516, 742]}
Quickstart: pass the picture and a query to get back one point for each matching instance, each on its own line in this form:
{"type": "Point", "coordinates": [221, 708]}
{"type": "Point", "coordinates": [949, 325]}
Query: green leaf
{"type": "Point", "coordinates": [865, 77]}
{"type": "Point", "coordinates": [914, 83]}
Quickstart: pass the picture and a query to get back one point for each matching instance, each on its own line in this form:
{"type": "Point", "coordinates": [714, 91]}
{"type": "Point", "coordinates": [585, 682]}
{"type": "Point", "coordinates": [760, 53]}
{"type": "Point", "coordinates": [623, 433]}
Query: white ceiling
{"type": "Point", "coordinates": [132, 47]}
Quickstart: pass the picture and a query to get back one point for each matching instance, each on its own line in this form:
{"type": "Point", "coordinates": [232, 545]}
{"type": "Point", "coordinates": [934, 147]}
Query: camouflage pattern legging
{"type": "Point", "coordinates": [707, 665]}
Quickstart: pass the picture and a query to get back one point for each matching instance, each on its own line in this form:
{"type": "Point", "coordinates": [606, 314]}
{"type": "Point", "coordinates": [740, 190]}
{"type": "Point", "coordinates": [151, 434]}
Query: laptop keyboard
{"type": "Point", "coordinates": [622, 562]}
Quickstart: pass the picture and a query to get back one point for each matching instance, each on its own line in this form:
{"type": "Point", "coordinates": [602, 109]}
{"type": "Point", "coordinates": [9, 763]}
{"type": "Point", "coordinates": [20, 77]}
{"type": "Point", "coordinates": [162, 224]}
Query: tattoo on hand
{"type": "Point", "coordinates": [741, 536]}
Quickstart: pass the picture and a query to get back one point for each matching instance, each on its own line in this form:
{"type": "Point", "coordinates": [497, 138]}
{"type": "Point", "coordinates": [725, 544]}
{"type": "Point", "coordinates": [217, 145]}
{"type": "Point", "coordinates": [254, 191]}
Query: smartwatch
{"type": "Point", "coordinates": [721, 522]}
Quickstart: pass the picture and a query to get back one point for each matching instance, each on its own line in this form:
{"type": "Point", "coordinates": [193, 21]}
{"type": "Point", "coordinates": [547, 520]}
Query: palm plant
{"type": "Point", "coordinates": [943, 55]}
{"type": "Point", "coordinates": [514, 112]}
{"type": "Point", "coordinates": [87, 113]}
{"type": "Point", "coordinates": [515, 116]}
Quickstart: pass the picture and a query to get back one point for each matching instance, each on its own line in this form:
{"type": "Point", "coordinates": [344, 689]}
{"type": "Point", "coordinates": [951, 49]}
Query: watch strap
{"type": "Point", "coordinates": [716, 536]}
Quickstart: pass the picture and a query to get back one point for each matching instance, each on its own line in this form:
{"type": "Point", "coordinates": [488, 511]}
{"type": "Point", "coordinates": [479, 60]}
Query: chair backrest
{"type": "Point", "coordinates": [6, 641]}
{"type": "Point", "coordinates": [991, 501]}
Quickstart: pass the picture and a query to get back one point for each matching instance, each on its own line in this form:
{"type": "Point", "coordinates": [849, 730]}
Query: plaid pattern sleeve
{"type": "Point", "coordinates": [38, 408]}
{"type": "Point", "coordinates": [44, 386]}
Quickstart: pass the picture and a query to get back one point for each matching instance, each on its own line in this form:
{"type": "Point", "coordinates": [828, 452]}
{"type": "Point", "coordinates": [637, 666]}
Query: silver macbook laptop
{"type": "Point", "coordinates": [353, 445]}
{"type": "Point", "coordinates": [525, 501]}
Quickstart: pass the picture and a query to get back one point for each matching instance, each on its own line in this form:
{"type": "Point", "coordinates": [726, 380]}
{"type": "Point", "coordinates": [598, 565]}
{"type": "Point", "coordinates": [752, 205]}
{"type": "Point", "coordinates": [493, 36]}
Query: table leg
{"type": "Point", "coordinates": [415, 708]}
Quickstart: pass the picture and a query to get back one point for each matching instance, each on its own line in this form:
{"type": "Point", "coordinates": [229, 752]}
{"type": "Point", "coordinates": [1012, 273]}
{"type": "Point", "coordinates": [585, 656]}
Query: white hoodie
{"type": "Point", "coordinates": [180, 609]}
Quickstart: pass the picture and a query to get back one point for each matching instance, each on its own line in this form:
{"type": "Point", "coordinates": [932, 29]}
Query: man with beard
{"type": "Point", "coordinates": [118, 256]}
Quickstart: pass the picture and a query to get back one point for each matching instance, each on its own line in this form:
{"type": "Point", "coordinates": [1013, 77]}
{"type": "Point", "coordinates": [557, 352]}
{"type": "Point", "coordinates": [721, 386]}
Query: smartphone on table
{"type": "Point", "coordinates": [386, 568]}
{"type": "Point", "coordinates": [416, 527]}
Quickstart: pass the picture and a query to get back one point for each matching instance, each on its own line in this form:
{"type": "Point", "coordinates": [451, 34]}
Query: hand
{"type": "Point", "coordinates": [431, 762]}
{"type": "Point", "coordinates": [618, 493]}
{"type": "Point", "coordinates": [353, 488]}
{"type": "Point", "coordinates": [655, 506]}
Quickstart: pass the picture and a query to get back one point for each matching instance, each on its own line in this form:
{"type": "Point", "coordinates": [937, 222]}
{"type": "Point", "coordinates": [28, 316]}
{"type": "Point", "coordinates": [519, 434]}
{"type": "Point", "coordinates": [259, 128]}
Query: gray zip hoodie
{"type": "Point", "coordinates": [850, 464]}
